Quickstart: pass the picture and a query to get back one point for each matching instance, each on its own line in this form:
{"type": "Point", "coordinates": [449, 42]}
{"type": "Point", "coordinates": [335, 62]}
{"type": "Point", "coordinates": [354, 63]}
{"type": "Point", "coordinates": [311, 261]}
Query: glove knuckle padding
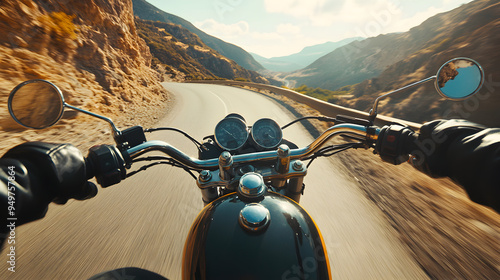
{"type": "Point", "coordinates": [61, 165]}
{"type": "Point", "coordinates": [435, 139]}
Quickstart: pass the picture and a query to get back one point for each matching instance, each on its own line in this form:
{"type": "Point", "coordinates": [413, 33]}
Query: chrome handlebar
{"type": "Point", "coordinates": [370, 134]}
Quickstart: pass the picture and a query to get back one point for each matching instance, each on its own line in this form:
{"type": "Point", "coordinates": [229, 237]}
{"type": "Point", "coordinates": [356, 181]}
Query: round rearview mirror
{"type": "Point", "coordinates": [459, 78]}
{"type": "Point", "coordinates": [36, 104]}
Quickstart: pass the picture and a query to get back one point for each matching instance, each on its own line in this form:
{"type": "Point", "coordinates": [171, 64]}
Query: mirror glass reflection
{"type": "Point", "coordinates": [36, 104]}
{"type": "Point", "coordinates": [459, 78]}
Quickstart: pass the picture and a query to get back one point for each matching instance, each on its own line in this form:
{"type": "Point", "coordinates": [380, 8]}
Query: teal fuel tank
{"type": "Point", "coordinates": [272, 238]}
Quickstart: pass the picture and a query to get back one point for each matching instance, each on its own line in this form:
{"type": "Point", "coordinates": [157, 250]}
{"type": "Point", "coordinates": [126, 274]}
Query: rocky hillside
{"type": "Point", "coordinates": [90, 49]}
{"type": "Point", "coordinates": [368, 58]}
{"type": "Point", "coordinates": [147, 11]}
{"type": "Point", "coordinates": [356, 61]}
{"type": "Point", "coordinates": [472, 30]}
{"type": "Point", "coordinates": [182, 53]}
{"type": "Point", "coordinates": [386, 62]}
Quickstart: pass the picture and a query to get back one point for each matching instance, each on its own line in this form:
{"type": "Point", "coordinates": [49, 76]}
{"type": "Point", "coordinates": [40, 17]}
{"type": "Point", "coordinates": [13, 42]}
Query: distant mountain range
{"type": "Point", "coordinates": [303, 58]}
{"type": "Point", "coordinates": [146, 11]}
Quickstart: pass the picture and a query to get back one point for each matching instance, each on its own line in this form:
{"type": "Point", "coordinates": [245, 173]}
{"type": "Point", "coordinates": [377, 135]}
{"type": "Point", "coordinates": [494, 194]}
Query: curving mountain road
{"type": "Point", "coordinates": [143, 221]}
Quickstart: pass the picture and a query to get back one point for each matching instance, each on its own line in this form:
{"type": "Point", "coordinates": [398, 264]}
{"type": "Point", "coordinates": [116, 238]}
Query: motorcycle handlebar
{"type": "Point", "coordinates": [369, 133]}
{"type": "Point", "coordinates": [393, 142]}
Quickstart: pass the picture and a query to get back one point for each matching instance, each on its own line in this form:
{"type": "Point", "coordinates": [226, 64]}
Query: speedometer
{"type": "Point", "coordinates": [267, 133]}
{"type": "Point", "coordinates": [231, 133]}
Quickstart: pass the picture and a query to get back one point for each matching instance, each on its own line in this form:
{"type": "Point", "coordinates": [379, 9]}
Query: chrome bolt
{"type": "Point", "coordinates": [225, 158]}
{"type": "Point", "coordinates": [283, 151]}
{"type": "Point", "coordinates": [205, 176]}
{"type": "Point", "coordinates": [226, 171]}
{"type": "Point", "coordinates": [298, 165]}
{"type": "Point", "coordinates": [283, 163]}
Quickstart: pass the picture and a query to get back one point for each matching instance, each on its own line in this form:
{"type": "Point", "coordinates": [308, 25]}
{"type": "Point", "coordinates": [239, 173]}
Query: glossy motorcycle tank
{"type": "Point", "coordinates": [291, 247]}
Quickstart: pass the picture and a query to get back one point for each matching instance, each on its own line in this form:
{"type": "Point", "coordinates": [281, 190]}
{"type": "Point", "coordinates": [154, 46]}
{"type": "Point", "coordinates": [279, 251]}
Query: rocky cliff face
{"type": "Point", "coordinates": [146, 11]}
{"type": "Point", "coordinates": [182, 52]}
{"type": "Point", "coordinates": [90, 49]}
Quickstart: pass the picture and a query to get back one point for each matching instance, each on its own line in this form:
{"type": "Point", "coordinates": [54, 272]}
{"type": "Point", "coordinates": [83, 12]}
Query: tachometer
{"type": "Point", "coordinates": [267, 133]}
{"type": "Point", "coordinates": [231, 133]}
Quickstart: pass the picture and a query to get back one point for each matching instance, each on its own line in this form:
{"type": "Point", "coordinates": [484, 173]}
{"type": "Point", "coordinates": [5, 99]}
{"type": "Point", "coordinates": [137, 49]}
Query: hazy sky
{"type": "Point", "coordinates": [282, 27]}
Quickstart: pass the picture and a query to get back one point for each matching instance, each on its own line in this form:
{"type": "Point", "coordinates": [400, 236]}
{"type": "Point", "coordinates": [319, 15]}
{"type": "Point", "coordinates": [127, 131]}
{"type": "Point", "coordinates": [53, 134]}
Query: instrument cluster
{"type": "Point", "coordinates": [232, 133]}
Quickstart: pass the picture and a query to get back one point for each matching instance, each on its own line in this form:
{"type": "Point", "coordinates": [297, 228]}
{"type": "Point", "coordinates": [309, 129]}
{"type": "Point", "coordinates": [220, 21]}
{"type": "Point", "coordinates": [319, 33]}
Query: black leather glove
{"type": "Point", "coordinates": [58, 170]}
{"type": "Point", "coordinates": [434, 142]}
{"type": "Point", "coordinates": [466, 152]}
{"type": "Point", "coordinates": [29, 201]}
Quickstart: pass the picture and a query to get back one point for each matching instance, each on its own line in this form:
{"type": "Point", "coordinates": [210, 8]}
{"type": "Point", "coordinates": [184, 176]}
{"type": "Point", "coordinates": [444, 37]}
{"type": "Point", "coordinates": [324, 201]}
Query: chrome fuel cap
{"type": "Point", "coordinates": [254, 217]}
{"type": "Point", "coordinates": [252, 186]}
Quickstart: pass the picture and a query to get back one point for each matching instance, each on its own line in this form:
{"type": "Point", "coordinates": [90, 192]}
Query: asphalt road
{"type": "Point", "coordinates": [144, 221]}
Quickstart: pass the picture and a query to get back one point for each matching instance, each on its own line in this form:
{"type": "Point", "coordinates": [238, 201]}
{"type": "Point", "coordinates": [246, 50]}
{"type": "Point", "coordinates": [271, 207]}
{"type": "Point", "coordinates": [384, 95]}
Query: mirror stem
{"type": "Point", "coordinates": [373, 111]}
{"type": "Point", "coordinates": [116, 131]}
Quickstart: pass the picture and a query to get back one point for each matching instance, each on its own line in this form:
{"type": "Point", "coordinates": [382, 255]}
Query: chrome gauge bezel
{"type": "Point", "coordinates": [241, 125]}
{"type": "Point", "coordinates": [260, 124]}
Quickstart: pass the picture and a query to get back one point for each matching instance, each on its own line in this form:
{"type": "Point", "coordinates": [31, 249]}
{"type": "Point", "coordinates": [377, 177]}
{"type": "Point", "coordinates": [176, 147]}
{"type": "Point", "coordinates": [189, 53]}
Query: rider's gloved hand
{"type": "Point", "coordinates": [434, 142]}
{"type": "Point", "coordinates": [46, 173]}
{"type": "Point", "coordinates": [466, 152]}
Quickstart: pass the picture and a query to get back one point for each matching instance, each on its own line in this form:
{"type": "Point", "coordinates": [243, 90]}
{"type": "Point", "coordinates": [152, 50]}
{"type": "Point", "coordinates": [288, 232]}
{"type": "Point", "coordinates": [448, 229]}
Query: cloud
{"type": "Point", "coordinates": [327, 13]}
{"type": "Point", "coordinates": [240, 33]}
{"type": "Point", "coordinates": [365, 18]}
{"type": "Point", "coordinates": [289, 25]}
{"type": "Point", "coordinates": [268, 43]}
{"type": "Point", "coordinates": [222, 30]}
{"type": "Point", "coordinates": [295, 8]}
{"type": "Point", "coordinates": [266, 36]}
{"type": "Point", "coordinates": [288, 28]}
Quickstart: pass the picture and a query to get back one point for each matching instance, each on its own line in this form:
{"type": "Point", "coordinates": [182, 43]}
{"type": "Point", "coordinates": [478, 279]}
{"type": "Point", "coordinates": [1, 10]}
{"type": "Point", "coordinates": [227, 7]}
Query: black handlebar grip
{"type": "Point", "coordinates": [411, 143]}
{"type": "Point", "coordinates": [107, 164]}
{"type": "Point", "coordinates": [395, 142]}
